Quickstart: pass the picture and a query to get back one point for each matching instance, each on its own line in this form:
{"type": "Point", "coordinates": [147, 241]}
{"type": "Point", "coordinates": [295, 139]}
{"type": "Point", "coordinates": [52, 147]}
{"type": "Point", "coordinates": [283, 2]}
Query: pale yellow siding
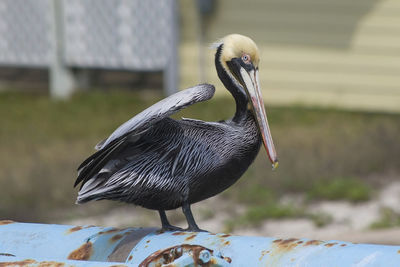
{"type": "Point", "coordinates": [317, 52]}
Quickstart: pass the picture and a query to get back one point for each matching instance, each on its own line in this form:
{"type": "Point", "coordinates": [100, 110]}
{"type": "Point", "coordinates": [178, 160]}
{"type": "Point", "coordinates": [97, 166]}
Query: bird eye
{"type": "Point", "coordinates": [246, 58]}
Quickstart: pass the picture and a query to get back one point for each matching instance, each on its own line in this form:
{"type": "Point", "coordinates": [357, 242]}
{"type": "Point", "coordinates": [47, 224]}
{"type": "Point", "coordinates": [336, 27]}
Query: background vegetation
{"type": "Point", "coordinates": [324, 153]}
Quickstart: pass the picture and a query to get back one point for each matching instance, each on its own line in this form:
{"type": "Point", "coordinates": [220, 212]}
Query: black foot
{"type": "Point", "coordinates": [189, 217]}
{"type": "Point", "coordinates": [171, 228]}
{"type": "Point", "coordinates": [195, 229]}
{"type": "Point", "coordinates": [166, 226]}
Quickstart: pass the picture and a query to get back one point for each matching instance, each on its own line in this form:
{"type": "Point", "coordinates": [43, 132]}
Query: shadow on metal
{"type": "Point", "coordinates": [27, 244]}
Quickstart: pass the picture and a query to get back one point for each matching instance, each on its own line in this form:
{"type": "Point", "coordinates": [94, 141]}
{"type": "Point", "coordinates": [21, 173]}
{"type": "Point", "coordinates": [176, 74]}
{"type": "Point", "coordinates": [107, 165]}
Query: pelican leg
{"type": "Point", "coordinates": [190, 220]}
{"type": "Point", "coordinates": [165, 223]}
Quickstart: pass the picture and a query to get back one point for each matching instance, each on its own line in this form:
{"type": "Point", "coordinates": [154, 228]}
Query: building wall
{"type": "Point", "coordinates": [336, 53]}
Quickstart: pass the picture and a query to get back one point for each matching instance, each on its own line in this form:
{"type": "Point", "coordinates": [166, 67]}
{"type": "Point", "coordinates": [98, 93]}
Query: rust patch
{"type": "Point", "coordinates": [190, 237]}
{"type": "Point", "coordinates": [179, 233]}
{"type": "Point", "coordinates": [119, 265]}
{"type": "Point", "coordinates": [130, 258]}
{"type": "Point", "coordinates": [50, 264]}
{"type": "Point", "coordinates": [78, 228]}
{"type": "Point", "coordinates": [73, 229]}
{"type": "Point", "coordinates": [148, 241]}
{"type": "Point", "coordinates": [82, 253]}
{"type": "Point", "coordinates": [343, 245]}
{"type": "Point", "coordinates": [18, 263]}
{"type": "Point", "coordinates": [226, 243]}
{"type": "Point", "coordinates": [116, 238]}
{"type": "Point", "coordinates": [128, 232]}
{"type": "Point", "coordinates": [288, 241]}
{"type": "Point", "coordinates": [229, 260]}
{"type": "Point", "coordinates": [313, 243]}
{"type": "Point", "coordinates": [169, 255]}
{"type": "Point", "coordinates": [225, 235]}
{"type": "Point", "coordinates": [286, 244]}
{"type": "Point", "coordinates": [300, 242]}
{"type": "Point", "coordinates": [263, 253]}
{"type": "Point", "coordinates": [330, 244]}
{"type": "Point", "coordinates": [113, 230]}
{"type": "Point", "coordinates": [4, 222]}
{"type": "Point", "coordinates": [29, 262]}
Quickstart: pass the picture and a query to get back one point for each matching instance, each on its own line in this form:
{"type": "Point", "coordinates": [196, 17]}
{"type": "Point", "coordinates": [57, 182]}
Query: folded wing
{"type": "Point", "coordinates": [136, 126]}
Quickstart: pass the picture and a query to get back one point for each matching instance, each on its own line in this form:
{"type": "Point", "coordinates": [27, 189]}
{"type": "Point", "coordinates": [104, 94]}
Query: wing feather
{"type": "Point", "coordinates": [163, 160]}
{"type": "Point", "coordinates": [160, 110]}
{"type": "Point", "coordinates": [95, 162]}
{"type": "Point", "coordinates": [133, 129]}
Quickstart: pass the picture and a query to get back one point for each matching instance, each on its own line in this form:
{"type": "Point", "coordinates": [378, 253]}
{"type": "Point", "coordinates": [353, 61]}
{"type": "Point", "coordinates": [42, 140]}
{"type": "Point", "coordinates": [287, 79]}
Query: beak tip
{"type": "Point", "coordinates": [275, 165]}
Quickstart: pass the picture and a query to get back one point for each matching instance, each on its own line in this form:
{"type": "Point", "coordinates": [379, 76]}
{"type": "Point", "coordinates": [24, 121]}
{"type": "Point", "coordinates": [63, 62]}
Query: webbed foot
{"type": "Point", "coordinates": [171, 228]}
{"type": "Point", "coordinates": [195, 229]}
{"type": "Point", "coordinates": [166, 226]}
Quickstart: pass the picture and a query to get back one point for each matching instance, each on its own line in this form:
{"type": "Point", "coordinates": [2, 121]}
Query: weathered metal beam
{"type": "Point", "coordinates": [26, 244]}
{"type": "Point", "coordinates": [15, 261]}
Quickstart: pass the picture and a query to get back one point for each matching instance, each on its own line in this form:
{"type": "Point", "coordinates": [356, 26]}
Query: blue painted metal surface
{"type": "Point", "coordinates": [25, 244]}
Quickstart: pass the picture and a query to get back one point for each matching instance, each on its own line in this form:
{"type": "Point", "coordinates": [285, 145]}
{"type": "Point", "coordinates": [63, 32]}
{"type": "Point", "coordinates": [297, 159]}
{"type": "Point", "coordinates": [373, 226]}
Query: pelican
{"type": "Point", "coordinates": [162, 164]}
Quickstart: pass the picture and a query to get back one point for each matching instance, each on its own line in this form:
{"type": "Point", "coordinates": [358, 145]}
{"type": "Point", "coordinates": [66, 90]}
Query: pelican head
{"type": "Point", "coordinates": [239, 58]}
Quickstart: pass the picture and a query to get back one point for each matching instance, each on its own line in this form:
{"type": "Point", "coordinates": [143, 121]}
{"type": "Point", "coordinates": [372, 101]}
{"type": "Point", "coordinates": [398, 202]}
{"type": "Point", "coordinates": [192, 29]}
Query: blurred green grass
{"type": "Point", "coordinates": [348, 188]}
{"type": "Point", "coordinates": [43, 141]}
{"type": "Point", "coordinates": [389, 218]}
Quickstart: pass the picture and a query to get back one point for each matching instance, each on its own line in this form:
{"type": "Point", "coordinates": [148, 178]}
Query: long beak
{"type": "Point", "coordinates": [251, 84]}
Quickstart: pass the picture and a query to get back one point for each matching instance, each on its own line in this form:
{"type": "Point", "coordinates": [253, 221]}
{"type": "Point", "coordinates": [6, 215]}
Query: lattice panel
{"type": "Point", "coordinates": [25, 32]}
{"type": "Point", "coordinates": [123, 34]}
{"type": "Point", "coordinates": [131, 34]}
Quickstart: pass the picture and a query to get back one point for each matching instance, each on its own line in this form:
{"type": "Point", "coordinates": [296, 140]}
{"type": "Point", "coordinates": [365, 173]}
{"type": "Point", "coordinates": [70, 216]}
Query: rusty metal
{"type": "Point", "coordinates": [57, 263]}
{"type": "Point", "coordinates": [82, 253]}
{"type": "Point", "coordinates": [185, 255]}
{"type": "Point", "coordinates": [24, 244]}
{"type": "Point", "coordinates": [3, 222]}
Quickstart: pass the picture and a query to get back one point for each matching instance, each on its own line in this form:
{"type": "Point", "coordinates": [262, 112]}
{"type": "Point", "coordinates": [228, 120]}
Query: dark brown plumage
{"type": "Point", "coordinates": [162, 164]}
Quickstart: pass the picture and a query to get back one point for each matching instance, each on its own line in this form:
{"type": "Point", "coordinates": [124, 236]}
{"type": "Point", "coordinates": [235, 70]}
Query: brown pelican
{"type": "Point", "coordinates": [159, 163]}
